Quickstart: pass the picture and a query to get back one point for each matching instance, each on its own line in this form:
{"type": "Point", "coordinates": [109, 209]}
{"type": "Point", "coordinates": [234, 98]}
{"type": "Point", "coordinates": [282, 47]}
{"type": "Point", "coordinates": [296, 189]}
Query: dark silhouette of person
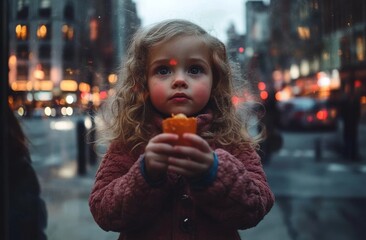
{"type": "Point", "coordinates": [350, 113]}
{"type": "Point", "coordinates": [27, 210]}
{"type": "Point", "coordinates": [269, 120]}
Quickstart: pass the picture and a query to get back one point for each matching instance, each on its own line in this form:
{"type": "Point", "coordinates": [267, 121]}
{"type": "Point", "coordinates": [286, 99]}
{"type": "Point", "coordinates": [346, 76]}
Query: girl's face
{"type": "Point", "coordinates": [179, 76]}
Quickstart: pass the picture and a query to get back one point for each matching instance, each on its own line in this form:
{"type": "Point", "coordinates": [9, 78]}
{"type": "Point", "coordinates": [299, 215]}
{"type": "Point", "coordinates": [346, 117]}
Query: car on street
{"type": "Point", "coordinates": [307, 113]}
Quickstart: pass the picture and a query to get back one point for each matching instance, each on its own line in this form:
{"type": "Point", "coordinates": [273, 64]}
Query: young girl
{"type": "Point", "coordinates": [148, 187]}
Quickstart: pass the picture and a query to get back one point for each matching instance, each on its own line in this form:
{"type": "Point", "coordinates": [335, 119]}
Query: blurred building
{"type": "Point", "coordinates": [235, 44]}
{"type": "Point", "coordinates": [125, 23]}
{"type": "Point", "coordinates": [257, 25]}
{"type": "Point", "coordinates": [257, 62]}
{"type": "Point", "coordinates": [115, 22]}
{"type": "Point", "coordinates": [44, 59]}
{"type": "Point", "coordinates": [62, 53]}
{"type": "Point", "coordinates": [307, 47]}
{"type": "Point", "coordinates": [344, 41]}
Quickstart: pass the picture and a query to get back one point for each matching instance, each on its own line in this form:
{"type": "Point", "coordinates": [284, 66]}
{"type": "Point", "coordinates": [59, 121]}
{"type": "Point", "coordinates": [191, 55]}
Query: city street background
{"type": "Point", "coordinates": [318, 195]}
{"type": "Point", "coordinates": [62, 58]}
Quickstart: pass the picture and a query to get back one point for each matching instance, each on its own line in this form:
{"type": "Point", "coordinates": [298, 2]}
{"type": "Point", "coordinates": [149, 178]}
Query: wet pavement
{"type": "Point", "coordinates": [312, 202]}
{"type": "Point", "coordinates": [66, 197]}
{"type": "Point", "coordinates": [315, 199]}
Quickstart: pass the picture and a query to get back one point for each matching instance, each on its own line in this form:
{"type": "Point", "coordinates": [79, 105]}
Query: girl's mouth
{"type": "Point", "coordinates": [179, 98]}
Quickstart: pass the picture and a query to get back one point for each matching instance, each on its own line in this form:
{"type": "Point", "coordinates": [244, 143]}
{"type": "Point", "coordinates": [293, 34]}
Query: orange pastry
{"type": "Point", "coordinates": [180, 124]}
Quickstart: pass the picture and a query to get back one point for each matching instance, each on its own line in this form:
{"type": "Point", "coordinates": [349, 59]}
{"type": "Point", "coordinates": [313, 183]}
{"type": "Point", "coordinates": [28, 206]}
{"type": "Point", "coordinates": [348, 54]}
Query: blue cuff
{"type": "Point", "coordinates": [208, 178]}
{"type": "Point", "coordinates": [152, 183]}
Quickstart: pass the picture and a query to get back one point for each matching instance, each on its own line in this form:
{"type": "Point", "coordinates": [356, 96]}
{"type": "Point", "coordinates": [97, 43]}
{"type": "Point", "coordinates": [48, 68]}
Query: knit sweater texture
{"type": "Point", "coordinates": [122, 200]}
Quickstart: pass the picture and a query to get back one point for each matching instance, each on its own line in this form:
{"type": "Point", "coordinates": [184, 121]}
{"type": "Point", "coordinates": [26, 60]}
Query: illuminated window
{"type": "Point", "coordinates": [303, 32]}
{"type": "Point", "coordinates": [360, 48]}
{"type": "Point", "coordinates": [93, 25]}
{"type": "Point", "coordinates": [67, 32]}
{"type": "Point", "coordinates": [44, 31]}
{"type": "Point", "coordinates": [21, 32]}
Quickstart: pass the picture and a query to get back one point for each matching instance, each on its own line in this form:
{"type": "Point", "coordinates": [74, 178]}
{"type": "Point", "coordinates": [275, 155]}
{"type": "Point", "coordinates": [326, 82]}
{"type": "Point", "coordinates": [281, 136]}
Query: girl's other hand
{"type": "Point", "coordinates": [157, 152]}
{"type": "Point", "coordinates": [191, 161]}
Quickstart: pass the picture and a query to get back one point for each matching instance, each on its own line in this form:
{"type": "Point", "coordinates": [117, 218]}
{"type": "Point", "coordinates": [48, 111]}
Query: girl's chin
{"type": "Point", "coordinates": [180, 111]}
{"type": "Point", "coordinates": [176, 110]}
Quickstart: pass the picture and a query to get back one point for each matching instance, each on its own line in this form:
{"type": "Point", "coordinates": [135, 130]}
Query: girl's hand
{"type": "Point", "coordinates": [157, 152]}
{"type": "Point", "coordinates": [191, 161]}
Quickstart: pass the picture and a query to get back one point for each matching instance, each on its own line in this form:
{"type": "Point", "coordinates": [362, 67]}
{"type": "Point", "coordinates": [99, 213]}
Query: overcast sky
{"type": "Point", "coordinates": [214, 16]}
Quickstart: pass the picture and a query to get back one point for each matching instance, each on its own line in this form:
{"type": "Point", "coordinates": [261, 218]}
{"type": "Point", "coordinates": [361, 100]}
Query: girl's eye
{"type": "Point", "coordinates": [195, 69]}
{"type": "Point", "coordinates": [163, 70]}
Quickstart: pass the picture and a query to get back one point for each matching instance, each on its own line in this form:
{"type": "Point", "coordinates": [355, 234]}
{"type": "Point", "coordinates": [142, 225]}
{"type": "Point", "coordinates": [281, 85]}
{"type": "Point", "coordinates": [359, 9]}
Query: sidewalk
{"type": "Point", "coordinates": [66, 194]}
{"type": "Point", "coordinates": [331, 179]}
{"type": "Point", "coordinates": [67, 205]}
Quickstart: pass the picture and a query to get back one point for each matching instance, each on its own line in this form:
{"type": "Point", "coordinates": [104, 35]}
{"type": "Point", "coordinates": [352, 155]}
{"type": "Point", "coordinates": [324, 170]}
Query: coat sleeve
{"type": "Point", "coordinates": [240, 196]}
{"type": "Point", "coordinates": [121, 200]}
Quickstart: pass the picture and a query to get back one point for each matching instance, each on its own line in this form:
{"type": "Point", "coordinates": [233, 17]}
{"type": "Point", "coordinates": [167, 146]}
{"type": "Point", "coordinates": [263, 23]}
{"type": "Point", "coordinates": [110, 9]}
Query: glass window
{"type": "Point", "coordinates": [45, 10]}
{"type": "Point", "coordinates": [69, 12]}
{"type": "Point", "coordinates": [23, 9]}
{"type": "Point", "coordinates": [22, 51]}
{"type": "Point", "coordinates": [22, 31]}
{"type": "Point", "coordinates": [68, 53]}
{"type": "Point", "coordinates": [67, 32]}
{"type": "Point", "coordinates": [45, 51]}
{"type": "Point", "coordinates": [44, 31]}
{"type": "Point", "coordinates": [22, 72]}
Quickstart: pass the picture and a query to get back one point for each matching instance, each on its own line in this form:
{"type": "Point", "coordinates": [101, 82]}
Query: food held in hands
{"type": "Point", "coordinates": [180, 124]}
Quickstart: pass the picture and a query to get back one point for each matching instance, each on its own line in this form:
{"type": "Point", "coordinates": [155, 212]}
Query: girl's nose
{"type": "Point", "coordinates": [179, 81]}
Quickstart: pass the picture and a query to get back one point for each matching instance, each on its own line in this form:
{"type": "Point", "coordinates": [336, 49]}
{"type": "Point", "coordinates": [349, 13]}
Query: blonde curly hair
{"type": "Point", "coordinates": [127, 113]}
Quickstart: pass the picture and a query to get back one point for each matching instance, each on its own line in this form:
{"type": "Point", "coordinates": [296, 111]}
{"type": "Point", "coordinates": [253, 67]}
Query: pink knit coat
{"type": "Point", "coordinates": [123, 201]}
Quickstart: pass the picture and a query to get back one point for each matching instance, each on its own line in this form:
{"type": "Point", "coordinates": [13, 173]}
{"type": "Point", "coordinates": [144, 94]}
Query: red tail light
{"type": "Point", "coordinates": [310, 118]}
{"type": "Point", "coordinates": [322, 115]}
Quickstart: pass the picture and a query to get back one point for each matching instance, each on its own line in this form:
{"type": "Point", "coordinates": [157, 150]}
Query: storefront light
{"type": "Point", "coordinates": [69, 85]}
{"type": "Point", "coordinates": [323, 79]}
{"type": "Point", "coordinates": [69, 99]}
{"type": "Point", "coordinates": [304, 68]}
{"type": "Point", "coordinates": [112, 78]}
{"type": "Point", "coordinates": [294, 71]}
